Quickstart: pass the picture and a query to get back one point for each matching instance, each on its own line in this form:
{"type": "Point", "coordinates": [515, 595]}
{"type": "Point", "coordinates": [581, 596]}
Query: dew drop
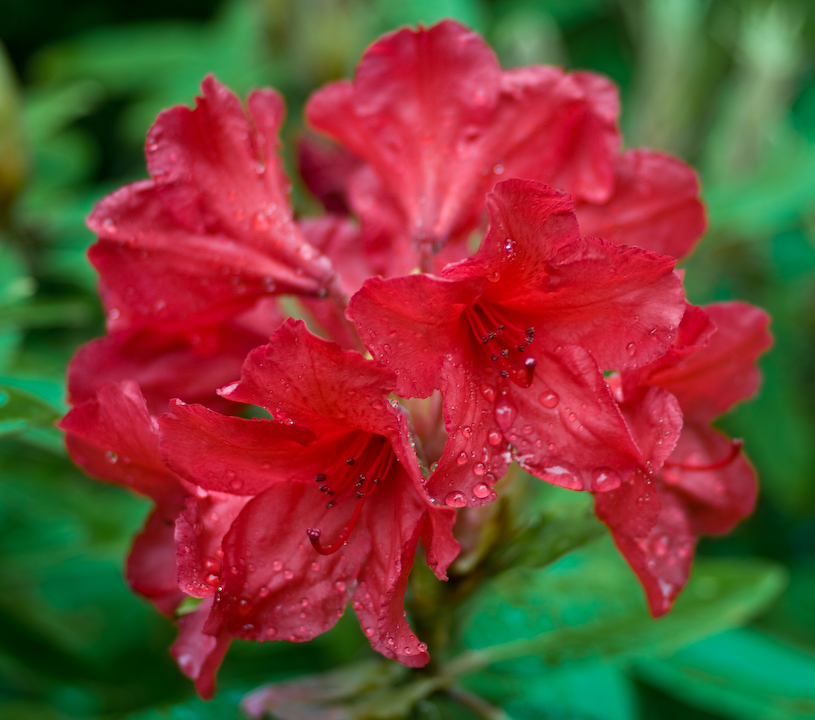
{"type": "Point", "coordinates": [288, 575]}
{"type": "Point", "coordinates": [260, 222]}
{"type": "Point", "coordinates": [488, 391]}
{"type": "Point", "coordinates": [467, 431]}
{"type": "Point", "coordinates": [479, 469]}
{"type": "Point", "coordinates": [549, 399]}
{"type": "Point", "coordinates": [277, 566]}
{"type": "Point", "coordinates": [505, 413]}
{"type": "Point", "coordinates": [111, 457]}
{"type": "Point", "coordinates": [340, 585]}
{"type": "Point", "coordinates": [211, 564]}
{"type": "Point", "coordinates": [462, 458]}
{"type": "Point", "coordinates": [604, 479]}
{"type": "Point", "coordinates": [631, 348]}
{"type": "Point", "coordinates": [494, 437]}
{"type": "Point", "coordinates": [369, 632]}
{"type": "Point", "coordinates": [315, 567]}
{"type": "Point", "coordinates": [455, 499]}
{"type": "Point", "coordinates": [482, 490]}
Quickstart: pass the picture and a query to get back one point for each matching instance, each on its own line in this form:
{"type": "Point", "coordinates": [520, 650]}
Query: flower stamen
{"type": "Point", "coordinates": [503, 342]}
{"type": "Point", "coordinates": [375, 455]}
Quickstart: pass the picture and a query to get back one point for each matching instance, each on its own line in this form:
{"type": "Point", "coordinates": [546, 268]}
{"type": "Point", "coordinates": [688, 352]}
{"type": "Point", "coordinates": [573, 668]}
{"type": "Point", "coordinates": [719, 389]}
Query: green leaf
{"type": "Point", "coordinates": [588, 605]}
{"type": "Point", "coordinates": [20, 410]}
{"type": "Point", "coordinates": [739, 674]}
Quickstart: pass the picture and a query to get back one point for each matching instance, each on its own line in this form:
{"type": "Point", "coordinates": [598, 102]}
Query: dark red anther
{"type": "Point", "coordinates": [735, 449]}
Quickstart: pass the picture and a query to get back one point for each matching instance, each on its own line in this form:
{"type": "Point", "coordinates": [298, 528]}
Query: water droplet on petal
{"type": "Point", "coordinates": [111, 457]}
{"type": "Point", "coordinates": [277, 566]}
{"type": "Point", "coordinates": [482, 490]}
{"type": "Point", "coordinates": [340, 585]}
{"type": "Point", "coordinates": [488, 391]}
{"type": "Point", "coordinates": [260, 222]}
{"type": "Point", "coordinates": [505, 413]}
{"type": "Point", "coordinates": [478, 468]}
{"type": "Point", "coordinates": [462, 458]}
{"type": "Point", "coordinates": [494, 437]}
{"type": "Point", "coordinates": [467, 431]}
{"type": "Point", "coordinates": [315, 567]}
{"type": "Point", "coordinates": [631, 348]}
{"type": "Point", "coordinates": [455, 499]}
{"type": "Point", "coordinates": [549, 399]}
{"type": "Point", "coordinates": [604, 479]}
{"type": "Point", "coordinates": [288, 575]}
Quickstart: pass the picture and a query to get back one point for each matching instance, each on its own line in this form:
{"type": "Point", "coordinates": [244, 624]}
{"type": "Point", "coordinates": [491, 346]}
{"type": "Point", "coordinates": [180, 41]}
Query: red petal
{"type": "Point", "coordinates": [151, 564]}
{"type": "Point", "coordinates": [213, 230]}
{"type": "Point", "coordinates": [716, 499]}
{"type": "Point", "coordinates": [198, 654]}
{"type": "Point", "coordinates": [410, 323]}
{"type": "Point", "coordinates": [302, 379]}
{"type": "Point", "coordinates": [416, 94]}
{"type": "Point", "coordinates": [710, 381]}
{"type": "Point", "coordinates": [621, 304]}
{"type": "Point", "coordinates": [275, 585]}
{"type": "Point", "coordinates": [393, 517]}
{"type": "Point", "coordinates": [660, 557]}
{"type": "Point", "coordinates": [582, 441]}
{"type": "Point", "coordinates": [234, 455]}
{"type": "Point", "coordinates": [199, 534]}
{"type": "Point", "coordinates": [432, 113]}
{"type": "Point", "coordinates": [160, 361]}
{"type": "Point", "coordinates": [655, 205]}
{"type": "Point", "coordinates": [655, 420]}
{"type": "Point", "coordinates": [113, 437]}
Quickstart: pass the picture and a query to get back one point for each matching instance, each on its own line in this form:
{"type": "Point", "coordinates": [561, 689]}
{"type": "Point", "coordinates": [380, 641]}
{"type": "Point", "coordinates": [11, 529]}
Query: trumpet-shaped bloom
{"type": "Point", "coordinates": [438, 124]}
{"type": "Point", "coordinates": [516, 338]}
{"type": "Point", "coordinates": [212, 230]}
{"type": "Point", "coordinates": [334, 519]}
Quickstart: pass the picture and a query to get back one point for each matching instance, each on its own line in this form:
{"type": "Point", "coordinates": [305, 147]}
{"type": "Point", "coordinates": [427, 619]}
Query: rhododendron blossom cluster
{"type": "Point", "coordinates": [306, 400]}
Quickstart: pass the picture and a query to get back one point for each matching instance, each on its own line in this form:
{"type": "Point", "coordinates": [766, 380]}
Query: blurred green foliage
{"type": "Point", "coordinates": [729, 85]}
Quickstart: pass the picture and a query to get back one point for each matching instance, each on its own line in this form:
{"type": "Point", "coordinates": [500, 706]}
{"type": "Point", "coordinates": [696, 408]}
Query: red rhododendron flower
{"type": "Point", "coordinates": [571, 354]}
{"type": "Point", "coordinates": [513, 338]}
{"type": "Point", "coordinates": [212, 231]}
{"type": "Point", "coordinates": [300, 549]}
{"type": "Point", "coordinates": [706, 485]}
{"type": "Point", "coordinates": [439, 123]}
{"type": "Point", "coordinates": [113, 437]}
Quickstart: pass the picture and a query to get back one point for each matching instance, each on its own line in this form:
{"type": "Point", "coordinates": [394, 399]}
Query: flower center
{"type": "Point", "coordinates": [735, 449]}
{"type": "Point", "coordinates": [504, 342]}
{"type": "Point", "coordinates": [369, 461]}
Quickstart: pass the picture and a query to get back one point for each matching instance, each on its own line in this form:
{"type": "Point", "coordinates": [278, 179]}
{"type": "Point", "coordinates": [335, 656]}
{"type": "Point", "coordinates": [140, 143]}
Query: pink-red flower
{"type": "Point", "coordinates": [516, 338]}
{"type": "Point", "coordinates": [706, 485]}
{"type": "Point", "coordinates": [212, 230]}
{"type": "Point", "coordinates": [438, 123]}
{"type": "Point", "coordinates": [334, 519]}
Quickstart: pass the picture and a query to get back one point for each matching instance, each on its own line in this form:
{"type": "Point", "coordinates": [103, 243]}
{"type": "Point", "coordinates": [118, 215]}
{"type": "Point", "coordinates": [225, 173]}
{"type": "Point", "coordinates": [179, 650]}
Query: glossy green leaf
{"type": "Point", "coordinates": [588, 605]}
{"type": "Point", "coordinates": [20, 410]}
{"type": "Point", "coordinates": [741, 674]}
